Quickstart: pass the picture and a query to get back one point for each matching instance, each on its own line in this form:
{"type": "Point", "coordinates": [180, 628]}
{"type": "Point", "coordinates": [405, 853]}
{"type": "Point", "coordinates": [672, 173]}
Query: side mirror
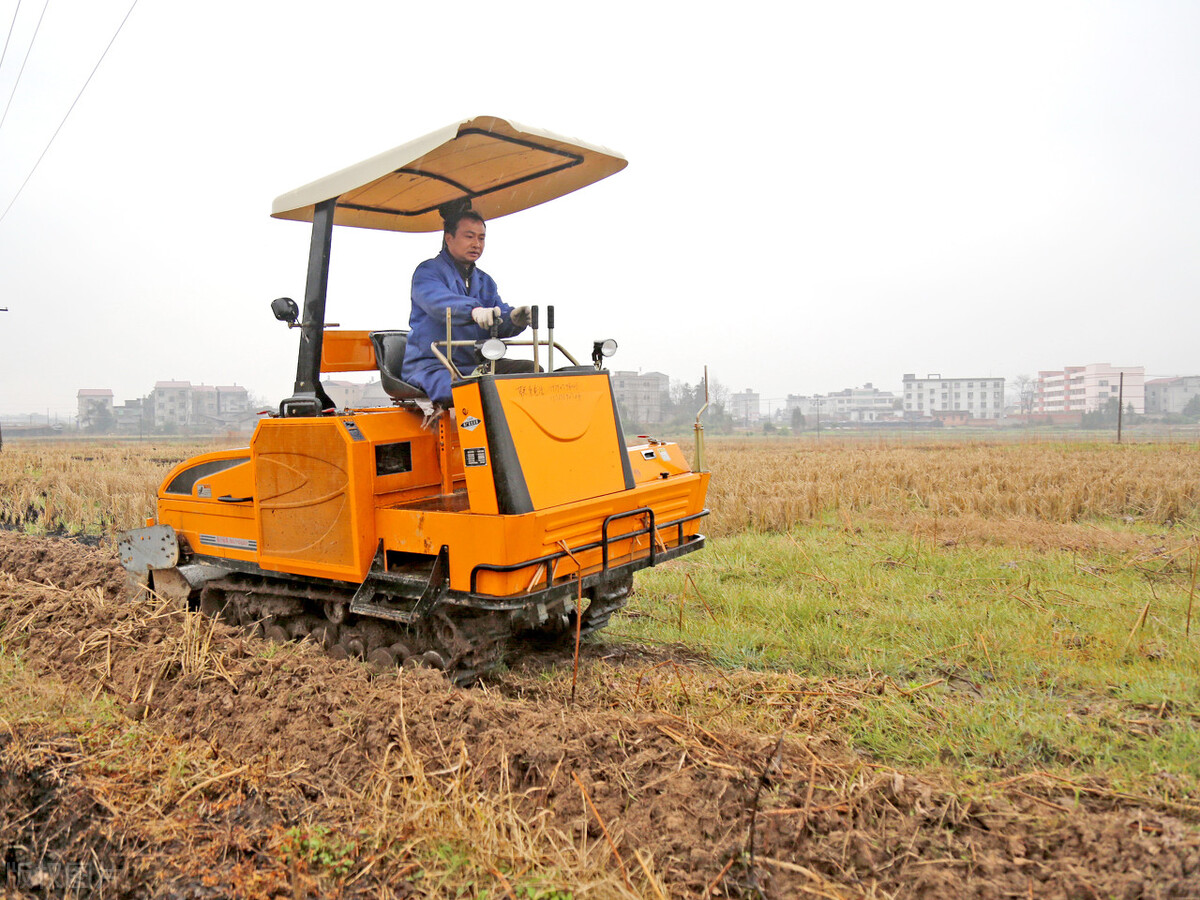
{"type": "Point", "coordinates": [285, 310]}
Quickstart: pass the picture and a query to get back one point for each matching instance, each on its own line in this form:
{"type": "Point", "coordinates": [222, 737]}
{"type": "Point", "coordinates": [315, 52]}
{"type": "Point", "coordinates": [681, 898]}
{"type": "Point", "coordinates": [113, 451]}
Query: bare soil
{"type": "Point", "coordinates": [714, 811]}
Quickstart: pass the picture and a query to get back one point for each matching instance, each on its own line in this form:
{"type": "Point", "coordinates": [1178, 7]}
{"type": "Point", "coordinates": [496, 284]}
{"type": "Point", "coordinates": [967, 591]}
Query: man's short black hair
{"type": "Point", "coordinates": [455, 212]}
{"type": "Point", "coordinates": [470, 215]}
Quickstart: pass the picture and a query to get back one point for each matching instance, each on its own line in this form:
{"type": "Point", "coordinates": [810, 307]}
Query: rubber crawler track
{"type": "Point", "coordinates": [464, 643]}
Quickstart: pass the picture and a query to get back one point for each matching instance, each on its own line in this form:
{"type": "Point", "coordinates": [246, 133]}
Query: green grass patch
{"type": "Point", "coordinates": [990, 657]}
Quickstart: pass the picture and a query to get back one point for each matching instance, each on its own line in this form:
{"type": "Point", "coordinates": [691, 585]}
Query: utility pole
{"type": "Point", "coordinates": [2, 309]}
{"type": "Point", "coordinates": [1120, 404]}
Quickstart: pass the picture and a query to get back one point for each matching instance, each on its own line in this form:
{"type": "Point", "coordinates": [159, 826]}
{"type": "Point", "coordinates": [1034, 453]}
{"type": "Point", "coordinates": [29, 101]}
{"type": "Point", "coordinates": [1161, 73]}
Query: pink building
{"type": "Point", "coordinates": [1089, 388]}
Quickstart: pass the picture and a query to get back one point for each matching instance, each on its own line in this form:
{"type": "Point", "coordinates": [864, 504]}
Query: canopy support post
{"type": "Point", "coordinates": [309, 399]}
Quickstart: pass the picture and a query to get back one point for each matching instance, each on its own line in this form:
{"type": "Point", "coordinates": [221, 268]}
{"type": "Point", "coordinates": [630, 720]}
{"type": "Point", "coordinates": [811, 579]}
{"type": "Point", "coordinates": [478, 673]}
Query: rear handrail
{"type": "Point", "coordinates": [641, 510]}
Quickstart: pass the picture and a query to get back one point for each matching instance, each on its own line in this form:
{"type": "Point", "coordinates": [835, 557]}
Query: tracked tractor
{"type": "Point", "coordinates": [383, 536]}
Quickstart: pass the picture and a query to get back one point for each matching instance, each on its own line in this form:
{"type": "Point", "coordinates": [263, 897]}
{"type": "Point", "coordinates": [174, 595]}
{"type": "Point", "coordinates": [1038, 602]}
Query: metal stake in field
{"type": "Point", "coordinates": [698, 429]}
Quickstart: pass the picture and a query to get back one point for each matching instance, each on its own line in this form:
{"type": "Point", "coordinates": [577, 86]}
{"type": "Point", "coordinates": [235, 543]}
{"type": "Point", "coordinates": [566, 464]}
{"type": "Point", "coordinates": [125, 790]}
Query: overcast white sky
{"type": "Point", "coordinates": [818, 195]}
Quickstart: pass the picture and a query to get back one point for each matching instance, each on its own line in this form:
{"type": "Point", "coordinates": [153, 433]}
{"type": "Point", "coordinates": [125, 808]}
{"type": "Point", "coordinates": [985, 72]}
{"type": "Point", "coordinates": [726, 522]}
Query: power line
{"type": "Point", "coordinates": [11, 25]}
{"type": "Point", "coordinates": [28, 50]}
{"type": "Point", "coordinates": [68, 115]}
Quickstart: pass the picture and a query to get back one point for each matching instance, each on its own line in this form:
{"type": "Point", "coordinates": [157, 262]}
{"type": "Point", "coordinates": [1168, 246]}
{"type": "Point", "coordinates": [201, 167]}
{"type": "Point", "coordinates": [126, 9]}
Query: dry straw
{"type": "Point", "coordinates": [756, 485]}
{"type": "Point", "coordinates": [773, 486]}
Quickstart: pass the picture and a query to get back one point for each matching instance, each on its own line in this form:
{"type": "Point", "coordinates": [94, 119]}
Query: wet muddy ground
{"type": "Point", "coordinates": [294, 738]}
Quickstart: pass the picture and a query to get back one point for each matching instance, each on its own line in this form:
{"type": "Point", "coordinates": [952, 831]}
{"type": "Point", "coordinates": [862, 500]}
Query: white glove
{"type": "Point", "coordinates": [520, 316]}
{"type": "Point", "coordinates": [484, 316]}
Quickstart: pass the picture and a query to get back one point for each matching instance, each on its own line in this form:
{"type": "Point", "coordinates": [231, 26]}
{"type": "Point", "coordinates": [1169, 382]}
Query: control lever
{"type": "Point", "coordinates": [549, 339]}
{"type": "Point", "coordinates": [494, 332]}
{"type": "Point", "coordinates": [533, 322]}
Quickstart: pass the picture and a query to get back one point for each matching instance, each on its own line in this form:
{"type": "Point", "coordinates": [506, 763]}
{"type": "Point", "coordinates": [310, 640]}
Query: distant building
{"type": "Point", "coordinates": [374, 396]}
{"type": "Point", "coordinates": [132, 417]}
{"type": "Point", "coordinates": [204, 403]}
{"type": "Point", "coordinates": [1089, 388]}
{"type": "Point", "coordinates": [95, 407]}
{"type": "Point", "coordinates": [745, 408]}
{"type": "Point", "coordinates": [344, 394]}
{"type": "Point", "coordinates": [204, 407]}
{"type": "Point", "coordinates": [353, 395]}
{"type": "Point", "coordinates": [935, 396]}
{"type": "Point", "coordinates": [861, 404]}
{"type": "Point", "coordinates": [1171, 395]}
{"type": "Point", "coordinates": [233, 401]}
{"type": "Point", "coordinates": [172, 403]}
{"type": "Point", "coordinates": [643, 396]}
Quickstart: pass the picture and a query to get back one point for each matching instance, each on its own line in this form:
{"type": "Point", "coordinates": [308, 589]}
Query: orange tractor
{"type": "Point", "coordinates": [387, 538]}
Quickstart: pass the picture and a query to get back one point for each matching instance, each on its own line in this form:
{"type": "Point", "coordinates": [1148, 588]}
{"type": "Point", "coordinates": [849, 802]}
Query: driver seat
{"type": "Point", "coordinates": [389, 358]}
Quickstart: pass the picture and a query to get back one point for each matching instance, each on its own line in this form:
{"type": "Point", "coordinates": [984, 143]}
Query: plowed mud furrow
{"type": "Point", "coordinates": [681, 792]}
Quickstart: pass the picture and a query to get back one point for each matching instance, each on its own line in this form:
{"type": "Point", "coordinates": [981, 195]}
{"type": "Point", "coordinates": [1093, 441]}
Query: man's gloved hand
{"type": "Point", "coordinates": [486, 316]}
{"type": "Point", "coordinates": [520, 316]}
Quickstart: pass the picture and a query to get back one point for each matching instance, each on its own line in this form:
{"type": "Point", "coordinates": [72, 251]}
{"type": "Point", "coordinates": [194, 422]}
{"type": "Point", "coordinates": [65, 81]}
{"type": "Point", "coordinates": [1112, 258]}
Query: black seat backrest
{"type": "Point", "coordinates": [389, 358]}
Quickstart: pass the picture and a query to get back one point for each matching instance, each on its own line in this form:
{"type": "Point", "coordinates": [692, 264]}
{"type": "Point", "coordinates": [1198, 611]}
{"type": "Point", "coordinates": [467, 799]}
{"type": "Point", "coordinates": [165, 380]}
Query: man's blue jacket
{"type": "Point", "coordinates": [438, 285]}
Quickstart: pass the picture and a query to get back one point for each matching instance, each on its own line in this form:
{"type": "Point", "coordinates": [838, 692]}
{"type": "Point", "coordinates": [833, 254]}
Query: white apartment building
{"type": "Point", "coordinates": [643, 396]}
{"type": "Point", "coordinates": [182, 403]}
{"type": "Point", "coordinates": [356, 395]}
{"type": "Point", "coordinates": [745, 407]}
{"type": "Point", "coordinates": [171, 402]}
{"type": "Point", "coordinates": [204, 402]}
{"type": "Point", "coordinates": [1171, 395]}
{"type": "Point", "coordinates": [981, 398]}
{"type": "Point", "coordinates": [861, 404]}
{"type": "Point", "coordinates": [232, 400]}
{"type": "Point", "coordinates": [95, 406]}
{"type": "Point", "coordinates": [373, 395]}
{"type": "Point", "coordinates": [344, 394]}
{"type": "Point", "coordinates": [1089, 388]}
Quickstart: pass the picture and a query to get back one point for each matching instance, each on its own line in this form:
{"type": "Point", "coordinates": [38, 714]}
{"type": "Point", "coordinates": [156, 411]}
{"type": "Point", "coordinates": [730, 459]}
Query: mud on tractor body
{"type": "Point", "coordinates": [385, 537]}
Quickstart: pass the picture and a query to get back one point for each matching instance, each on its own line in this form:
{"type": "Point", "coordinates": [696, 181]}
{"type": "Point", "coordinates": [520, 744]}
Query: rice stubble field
{"type": "Point", "coordinates": [896, 671]}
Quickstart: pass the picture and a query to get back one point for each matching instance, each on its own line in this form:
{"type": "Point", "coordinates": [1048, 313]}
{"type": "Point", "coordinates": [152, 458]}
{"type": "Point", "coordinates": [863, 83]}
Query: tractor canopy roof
{"type": "Point", "coordinates": [500, 167]}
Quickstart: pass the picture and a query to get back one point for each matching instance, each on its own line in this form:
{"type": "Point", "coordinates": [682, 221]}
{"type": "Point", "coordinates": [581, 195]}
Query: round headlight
{"type": "Point", "coordinates": [608, 348]}
{"type": "Point", "coordinates": [493, 349]}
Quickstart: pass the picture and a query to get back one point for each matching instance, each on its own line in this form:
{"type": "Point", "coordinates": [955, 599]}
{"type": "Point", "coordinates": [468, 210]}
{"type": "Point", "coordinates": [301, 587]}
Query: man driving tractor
{"type": "Point", "coordinates": [452, 280]}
